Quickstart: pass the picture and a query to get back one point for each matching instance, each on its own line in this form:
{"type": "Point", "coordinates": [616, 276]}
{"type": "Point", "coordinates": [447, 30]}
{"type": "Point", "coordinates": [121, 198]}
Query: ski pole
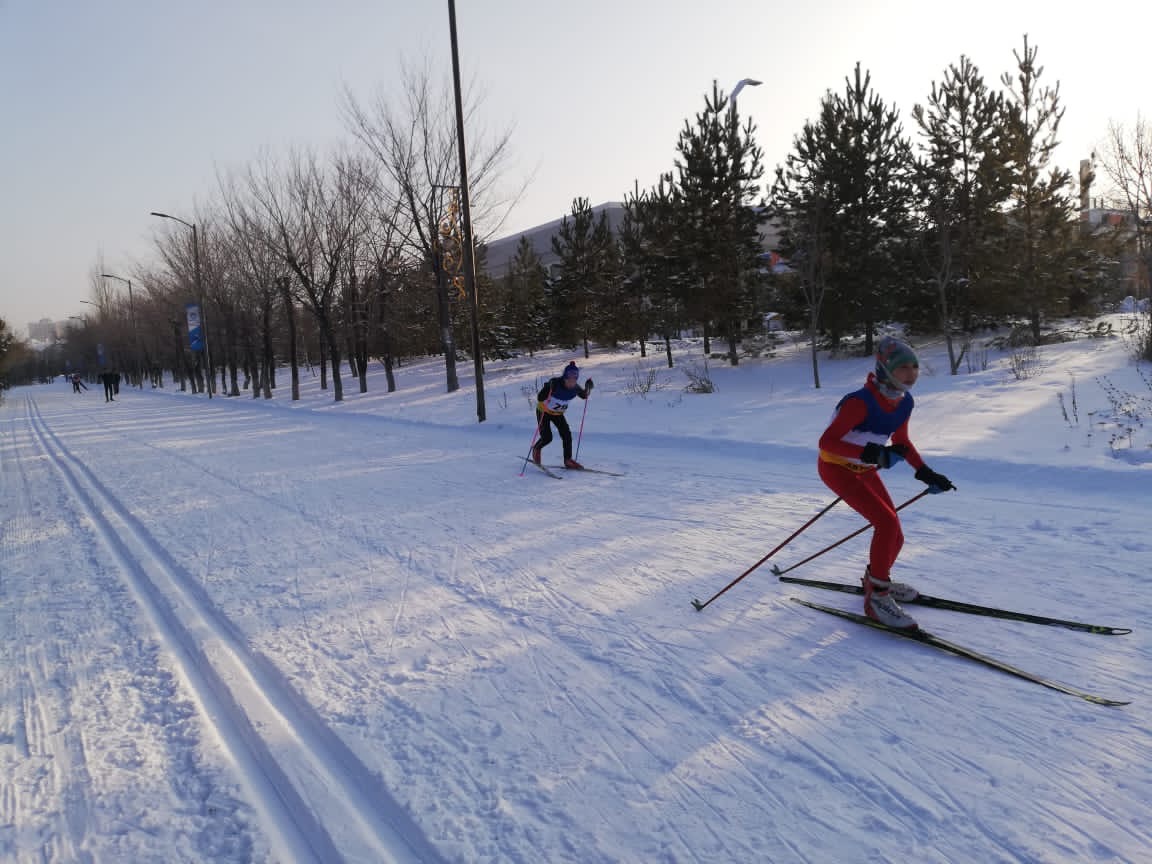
{"type": "Point", "coordinates": [780, 572]}
{"type": "Point", "coordinates": [580, 434]}
{"type": "Point", "coordinates": [700, 606]}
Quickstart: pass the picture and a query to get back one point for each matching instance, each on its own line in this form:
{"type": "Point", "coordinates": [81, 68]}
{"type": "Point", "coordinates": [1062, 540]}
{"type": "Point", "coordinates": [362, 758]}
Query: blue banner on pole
{"type": "Point", "coordinates": [195, 330]}
{"type": "Point", "coordinates": [100, 354]}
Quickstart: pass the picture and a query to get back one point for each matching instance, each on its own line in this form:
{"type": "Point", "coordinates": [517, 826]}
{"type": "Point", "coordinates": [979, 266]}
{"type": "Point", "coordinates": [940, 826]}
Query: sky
{"type": "Point", "coordinates": [111, 110]}
{"type": "Point", "coordinates": [244, 631]}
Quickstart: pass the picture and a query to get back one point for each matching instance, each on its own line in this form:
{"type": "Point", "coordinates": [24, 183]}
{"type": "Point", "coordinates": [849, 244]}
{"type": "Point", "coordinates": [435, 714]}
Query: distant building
{"type": "Point", "coordinates": [1136, 233]}
{"type": "Point", "coordinates": [501, 253]}
{"type": "Point", "coordinates": [1136, 237]}
{"type": "Point", "coordinates": [43, 330]}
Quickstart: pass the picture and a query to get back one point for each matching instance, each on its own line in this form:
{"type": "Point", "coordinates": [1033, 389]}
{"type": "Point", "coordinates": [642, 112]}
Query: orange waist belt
{"type": "Point", "coordinates": [844, 462]}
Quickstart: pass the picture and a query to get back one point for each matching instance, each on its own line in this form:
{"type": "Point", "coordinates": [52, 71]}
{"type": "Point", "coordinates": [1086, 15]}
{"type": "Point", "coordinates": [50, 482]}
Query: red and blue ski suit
{"type": "Point", "coordinates": [862, 417]}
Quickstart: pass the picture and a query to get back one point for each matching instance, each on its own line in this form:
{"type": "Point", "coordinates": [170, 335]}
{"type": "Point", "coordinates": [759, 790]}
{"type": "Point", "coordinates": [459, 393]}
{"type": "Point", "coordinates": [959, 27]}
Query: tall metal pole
{"type": "Point", "coordinates": [203, 313]}
{"type": "Point", "coordinates": [466, 220]}
{"type": "Point", "coordinates": [135, 337]}
{"type": "Point", "coordinates": [199, 291]}
{"type": "Point", "coordinates": [135, 332]}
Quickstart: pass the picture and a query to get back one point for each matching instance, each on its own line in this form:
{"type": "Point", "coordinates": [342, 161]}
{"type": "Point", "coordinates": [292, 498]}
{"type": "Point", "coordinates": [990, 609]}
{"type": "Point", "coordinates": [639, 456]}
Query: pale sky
{"type": "Point", "coordinates": [115, 108]}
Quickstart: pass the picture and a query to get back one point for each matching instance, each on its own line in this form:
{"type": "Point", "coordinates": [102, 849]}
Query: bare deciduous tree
{"type": "Point", "coordinates": [413, 142]}
{"type": "Point", "coordinates": [312, 213]}
{"type": "Point", "coordinates": [260, 269]}
{"type": "Point", "coordinates": [1127, 162]}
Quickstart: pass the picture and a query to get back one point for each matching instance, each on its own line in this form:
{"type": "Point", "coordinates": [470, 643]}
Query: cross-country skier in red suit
{"type": "Point", "coordinates": [869, 431]}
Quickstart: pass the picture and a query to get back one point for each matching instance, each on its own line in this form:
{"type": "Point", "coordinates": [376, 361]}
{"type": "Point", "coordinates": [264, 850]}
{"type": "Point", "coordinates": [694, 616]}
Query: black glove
{"type": "Point", "coordinates": [882, 457]}
{"type": "Point", "coordinates": [936, 482]}
{"type": "Point", "coordinates": [588, 385]}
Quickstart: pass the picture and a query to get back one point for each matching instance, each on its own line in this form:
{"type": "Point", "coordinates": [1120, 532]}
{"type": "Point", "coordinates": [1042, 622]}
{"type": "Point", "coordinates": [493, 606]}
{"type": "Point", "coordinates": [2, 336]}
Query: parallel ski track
{"type": "Point", "coordinates": [317, 801]}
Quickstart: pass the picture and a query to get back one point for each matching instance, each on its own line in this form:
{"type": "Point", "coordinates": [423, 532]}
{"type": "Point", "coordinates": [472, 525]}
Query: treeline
{"type": "Point", "coordinates": [962, 224]}
{"type": "Point", "coordinates": [340, 260]}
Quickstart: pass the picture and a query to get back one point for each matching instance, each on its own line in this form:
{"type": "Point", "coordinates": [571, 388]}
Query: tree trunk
{"type": "Point", "coordinates": [813, 333]}
{"type": "Point", "coordinates": [268, 367]}
{"type": "Point", "coordinates": [447, 340]}
{"type": "Point", "coordinates": [329, 336]}
{"type": "Point", "coordinates": [290, 314]}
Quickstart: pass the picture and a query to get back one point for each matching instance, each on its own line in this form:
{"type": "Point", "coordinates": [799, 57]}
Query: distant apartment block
{"type": "Point", "coordinates": [43, 330]}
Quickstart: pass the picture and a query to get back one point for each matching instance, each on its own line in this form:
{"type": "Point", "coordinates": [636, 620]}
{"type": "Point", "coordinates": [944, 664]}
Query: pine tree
{"type": "Point", "coordinates": [867, 168]}
{"type": "Point", "coordinates": [844, 198]}
{"type": "Point", "coordinates": [524, 307]}
{"type": "Point", "coordinates": [583, 245]}
{"type": "Point", "coordinates": [1040, 225]}
{"type": "Point", "coordinates": [652, 260]}
{"type": "Point", "coordinates": [800, 204]}
{"type": "Point", "coordinates": [719, 168]}
{"type": "Point", "coordinates": [962, 182]}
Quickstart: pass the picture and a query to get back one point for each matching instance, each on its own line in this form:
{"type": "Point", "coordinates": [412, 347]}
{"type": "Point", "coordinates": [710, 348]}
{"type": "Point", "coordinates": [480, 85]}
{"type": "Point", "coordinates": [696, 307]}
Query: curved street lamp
{"type": "Point", "coordinates": [199, 291]}
{"type": "Point", "coordinates": [741, 84]}
{"type": "Point", "coordinates": [135, 333]}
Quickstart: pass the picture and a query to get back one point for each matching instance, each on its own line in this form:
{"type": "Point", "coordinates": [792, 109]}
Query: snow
{"type": "Point", "coordinates": [237, 630]}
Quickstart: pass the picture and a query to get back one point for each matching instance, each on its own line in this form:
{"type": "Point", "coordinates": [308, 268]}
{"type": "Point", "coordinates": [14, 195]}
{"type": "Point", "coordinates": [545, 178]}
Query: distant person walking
{"type": "Point", "coordinates": [551, 403]}
{"type": "Point", "coordinates": [854, 446]}
{"type": "Point", "coordinates": [109, 381]}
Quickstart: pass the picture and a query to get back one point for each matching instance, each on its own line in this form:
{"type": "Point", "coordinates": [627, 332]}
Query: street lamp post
{"type": "Point", "coordinates": [468, 253]}
{"type": "Point", "coordinates": [199, 291]}
{"type": "Point", "coordinates": [740, 85]}
{"type": "Point", "coordinates": [100, 331]}
{"type": "Point", "coordinates": [135, 333]}
{"type": "Point", "coordinates": [71, 347]}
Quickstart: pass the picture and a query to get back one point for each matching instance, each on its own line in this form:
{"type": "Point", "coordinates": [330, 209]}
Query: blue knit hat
{"type": "Point", "coordinates": [892, 353]}
{"type": "Point", "coordinates": [571, 371]}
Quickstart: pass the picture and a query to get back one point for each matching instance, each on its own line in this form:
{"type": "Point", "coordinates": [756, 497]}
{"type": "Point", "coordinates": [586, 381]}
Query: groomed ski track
{"type": "Point", "coordinates": [351, 650]}
{"type": "Point", "coordinates": [316, 800]}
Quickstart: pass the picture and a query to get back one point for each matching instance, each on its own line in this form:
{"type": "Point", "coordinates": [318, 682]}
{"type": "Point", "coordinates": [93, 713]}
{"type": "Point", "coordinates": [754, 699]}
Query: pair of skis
{"type": "Point", "coordinates": [551, 470]}
{"type": "Point", "coordinates": [923, 636]}
{"type": "Point", "coordinates": [969, 608]}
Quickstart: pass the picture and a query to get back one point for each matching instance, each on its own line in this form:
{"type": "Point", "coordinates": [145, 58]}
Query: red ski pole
{"type": "Point", "coordinates": [699, 606]}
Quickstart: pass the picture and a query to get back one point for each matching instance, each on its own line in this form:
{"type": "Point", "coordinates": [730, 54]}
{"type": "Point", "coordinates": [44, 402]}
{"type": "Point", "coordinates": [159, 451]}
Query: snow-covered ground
{"type": "Point", "coordinates": [237, 630]}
